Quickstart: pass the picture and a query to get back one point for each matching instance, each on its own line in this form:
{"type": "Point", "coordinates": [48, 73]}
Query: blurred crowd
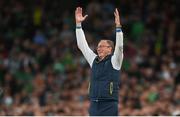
{"type": "Point", "coordinates": [42, 72]}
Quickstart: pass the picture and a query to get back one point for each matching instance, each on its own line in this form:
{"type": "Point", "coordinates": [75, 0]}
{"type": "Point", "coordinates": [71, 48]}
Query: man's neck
{"type": "Point", "coordinates": [101, 58]}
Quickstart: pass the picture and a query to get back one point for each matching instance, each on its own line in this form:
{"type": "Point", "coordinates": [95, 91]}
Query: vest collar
{"type": "Point", "coordinates": [97, 59]}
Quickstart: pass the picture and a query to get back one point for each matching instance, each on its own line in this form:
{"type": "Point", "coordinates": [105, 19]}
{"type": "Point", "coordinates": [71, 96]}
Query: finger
{"type": "Point", "coordinates": [76, 11]}
{"type": "Point", "coordinates": [81, 9]}
{"type": "Point", "coordinates": [115, 14]}
{"type": "Point", "coordinates": [85, 16]}
{"type": "Point", "coordinates": [116, 10]}
{"type": "Point", "coordinates": [77, 8]}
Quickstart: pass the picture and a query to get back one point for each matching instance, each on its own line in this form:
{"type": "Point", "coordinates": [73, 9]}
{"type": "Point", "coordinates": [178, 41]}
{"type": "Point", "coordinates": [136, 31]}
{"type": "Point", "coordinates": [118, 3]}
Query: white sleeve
{"type": "Point", "coordinates": [83, 45]}
{"type": "Point", "coordinates": [117, 57]}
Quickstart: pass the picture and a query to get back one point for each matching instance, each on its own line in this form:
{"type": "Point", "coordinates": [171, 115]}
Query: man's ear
{"type": "Point", "coordinates": [111, 50]}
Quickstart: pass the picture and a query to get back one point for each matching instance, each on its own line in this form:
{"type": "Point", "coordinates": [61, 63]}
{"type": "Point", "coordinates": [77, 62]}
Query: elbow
{"type": "Point", "coordinates": [79, 45]}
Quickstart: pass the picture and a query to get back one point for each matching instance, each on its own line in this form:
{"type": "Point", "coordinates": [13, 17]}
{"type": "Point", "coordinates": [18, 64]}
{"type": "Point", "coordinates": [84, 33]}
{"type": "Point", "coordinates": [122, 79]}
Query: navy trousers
{"type": "Point", "coordinates": [103, 108]}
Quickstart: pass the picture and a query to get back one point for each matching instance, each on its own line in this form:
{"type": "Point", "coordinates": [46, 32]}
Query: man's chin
{"type": "Point", "coordinates": [100, 56]}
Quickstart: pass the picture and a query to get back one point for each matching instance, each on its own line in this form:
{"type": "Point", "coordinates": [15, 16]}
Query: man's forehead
{"type": "Point", "coordinates": [102, 42]}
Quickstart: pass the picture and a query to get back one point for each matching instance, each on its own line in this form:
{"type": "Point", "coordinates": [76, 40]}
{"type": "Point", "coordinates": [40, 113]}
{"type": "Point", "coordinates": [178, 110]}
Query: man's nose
{"type": "Point", "coordinates": [98, 48]}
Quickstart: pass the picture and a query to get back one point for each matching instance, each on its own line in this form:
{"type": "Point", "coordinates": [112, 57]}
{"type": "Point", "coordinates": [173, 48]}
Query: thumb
{"type": "Point", "coordinates": [85, 16]}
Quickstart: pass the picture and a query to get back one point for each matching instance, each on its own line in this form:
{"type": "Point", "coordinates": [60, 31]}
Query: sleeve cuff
{"type": "Point", "coordinates": [118, 29]}
{"type": "Point", "coordinates": [78, 25]}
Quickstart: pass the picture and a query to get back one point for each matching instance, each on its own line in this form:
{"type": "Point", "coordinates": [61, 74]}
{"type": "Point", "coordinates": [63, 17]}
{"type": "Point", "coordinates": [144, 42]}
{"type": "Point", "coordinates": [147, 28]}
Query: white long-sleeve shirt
{"type": "Point", "coordinates": [117, 56]}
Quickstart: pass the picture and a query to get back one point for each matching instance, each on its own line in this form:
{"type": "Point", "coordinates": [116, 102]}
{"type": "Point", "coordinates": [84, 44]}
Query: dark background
{"type": "Point", "coordinates": [42, 72]}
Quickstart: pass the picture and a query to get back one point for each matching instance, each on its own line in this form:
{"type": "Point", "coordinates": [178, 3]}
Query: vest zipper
{"type": "Point", "coordinates": [111, 88]}
{"type": "Point", "coordinates": [89, 87]}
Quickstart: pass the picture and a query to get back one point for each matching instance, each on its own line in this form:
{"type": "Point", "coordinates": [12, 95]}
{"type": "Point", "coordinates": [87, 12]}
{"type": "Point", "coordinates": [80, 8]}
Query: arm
{"type": "Point", "coordinates": [117, 57]}
{"type": "Point", "coordinates": [81, 40]}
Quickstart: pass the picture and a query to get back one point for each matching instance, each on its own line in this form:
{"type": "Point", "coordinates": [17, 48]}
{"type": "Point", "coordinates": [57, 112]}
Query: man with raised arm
{"type": "Point", "coordinates": [105, 67]}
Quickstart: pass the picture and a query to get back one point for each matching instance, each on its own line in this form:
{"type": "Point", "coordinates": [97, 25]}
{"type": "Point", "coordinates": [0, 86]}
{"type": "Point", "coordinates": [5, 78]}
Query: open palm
{"type": "Point", "coordinates": [78, 15]}
{"type": "Point", "coordinates": [117, 18]}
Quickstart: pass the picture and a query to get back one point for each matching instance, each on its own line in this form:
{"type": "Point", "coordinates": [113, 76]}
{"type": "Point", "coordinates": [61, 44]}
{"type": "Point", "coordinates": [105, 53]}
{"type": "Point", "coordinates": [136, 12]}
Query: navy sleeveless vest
{"type": "Point", "coordinates": [104, 83]}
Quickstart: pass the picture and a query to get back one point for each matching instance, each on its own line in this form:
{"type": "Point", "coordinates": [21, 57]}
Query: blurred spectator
{"type": "Point", "coordinates": [43, 73]}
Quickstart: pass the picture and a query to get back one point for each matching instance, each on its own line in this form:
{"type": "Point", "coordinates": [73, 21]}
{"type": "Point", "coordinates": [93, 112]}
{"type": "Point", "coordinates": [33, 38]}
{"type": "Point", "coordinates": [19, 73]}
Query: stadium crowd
{"type": "Point", "coordinates": [42, 72]}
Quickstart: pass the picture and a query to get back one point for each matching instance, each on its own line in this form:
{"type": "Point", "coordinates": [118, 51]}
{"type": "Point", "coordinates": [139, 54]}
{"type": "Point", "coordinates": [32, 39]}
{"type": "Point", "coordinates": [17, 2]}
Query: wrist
{"type": "Point", "coordinates": [118, 25]}
{"type": "Point", "coordinates": [78, 25]}
{"type": "Point", "coordinates": [118, 29]}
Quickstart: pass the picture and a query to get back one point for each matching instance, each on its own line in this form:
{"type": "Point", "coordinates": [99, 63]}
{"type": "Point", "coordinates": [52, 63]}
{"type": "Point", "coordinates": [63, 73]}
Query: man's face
{"type": "Point", "coordinates": [103, 49]}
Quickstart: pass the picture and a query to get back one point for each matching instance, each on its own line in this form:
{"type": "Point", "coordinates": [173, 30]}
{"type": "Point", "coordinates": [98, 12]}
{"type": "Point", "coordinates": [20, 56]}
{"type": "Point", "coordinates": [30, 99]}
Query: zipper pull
{"type": "Point", "coordinates": [111, 88]}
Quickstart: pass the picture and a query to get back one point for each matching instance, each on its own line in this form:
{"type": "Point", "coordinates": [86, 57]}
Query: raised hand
{"type": "Point", "coordinates": [78, 15]}
{"type": "Point", "coordinates": [117, 18]}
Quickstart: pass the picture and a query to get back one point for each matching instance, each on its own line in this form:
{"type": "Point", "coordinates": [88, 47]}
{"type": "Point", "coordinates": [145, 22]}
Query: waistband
{"type": "Point", "coordinates": [103, 100]}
